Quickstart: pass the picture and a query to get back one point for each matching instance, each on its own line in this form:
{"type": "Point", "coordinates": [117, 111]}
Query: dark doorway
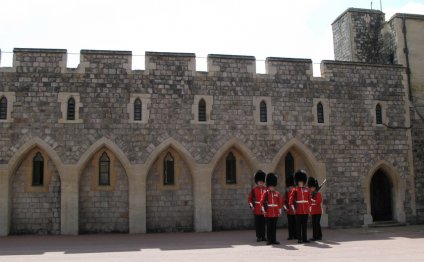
{"type": "Point", "coordinates": [381, 197]}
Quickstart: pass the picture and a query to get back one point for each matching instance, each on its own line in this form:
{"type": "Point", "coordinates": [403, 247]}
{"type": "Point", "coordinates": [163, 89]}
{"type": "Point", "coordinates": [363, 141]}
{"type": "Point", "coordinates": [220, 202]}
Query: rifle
{"type": "Point", "coordinates": [319, 187]}
{"type": "Point", "coordinates": [322, 184]}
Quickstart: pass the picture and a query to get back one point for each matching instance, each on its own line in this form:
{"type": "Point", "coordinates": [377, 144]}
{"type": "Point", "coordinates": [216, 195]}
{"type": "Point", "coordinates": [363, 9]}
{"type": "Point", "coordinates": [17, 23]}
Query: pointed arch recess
{"type": "Point", "coordinates": [23, 151]}
{"type": "Point", "coordinates": [98, 145]}
{"type": "Point", "coordinates": [398, 191]}
{"type": "Point", "coordinates": [316, 168]}
{"type": "Point", "coordinates": [236, 144]}
{"type": "Point", "coordinates": [177, 147]}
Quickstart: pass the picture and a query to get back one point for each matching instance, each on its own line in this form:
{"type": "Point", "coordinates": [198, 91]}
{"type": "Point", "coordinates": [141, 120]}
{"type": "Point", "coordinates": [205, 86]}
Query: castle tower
{"type": "Point", "coordinates": [356, 35]}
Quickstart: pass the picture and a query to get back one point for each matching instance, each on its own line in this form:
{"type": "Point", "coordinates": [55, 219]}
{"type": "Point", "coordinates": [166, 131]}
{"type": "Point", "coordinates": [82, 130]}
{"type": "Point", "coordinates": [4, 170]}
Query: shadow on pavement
{"type": "Point", "coordinates": [33, 245]}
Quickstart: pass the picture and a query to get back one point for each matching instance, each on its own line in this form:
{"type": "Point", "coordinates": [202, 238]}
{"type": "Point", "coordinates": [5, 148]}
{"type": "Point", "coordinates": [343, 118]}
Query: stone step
{"type": "Point", "coordinates": [386, 224]}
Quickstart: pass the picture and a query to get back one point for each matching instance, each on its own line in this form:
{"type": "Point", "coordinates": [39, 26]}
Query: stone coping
{"type": "Point", "coordinates": [39, 50]}
{"type": "Point", "coordinates": [150, 53]}
{"type": "Point", "coordinates": [338, 62]}
{"type": "Point", "coordinates": [105, 52]}
{"type": "Point", "coordinates": [357, 10]}
{"type": "Point", "coordinates": [239, 57]}
{"type": "Point", "coordinates": [286, 59]}
{"type": "Point", "coordinates": [407, 16]}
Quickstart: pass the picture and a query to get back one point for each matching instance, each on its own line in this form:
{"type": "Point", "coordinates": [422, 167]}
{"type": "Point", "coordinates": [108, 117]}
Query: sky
{"type": "Point", "coordinates": [265, 28]}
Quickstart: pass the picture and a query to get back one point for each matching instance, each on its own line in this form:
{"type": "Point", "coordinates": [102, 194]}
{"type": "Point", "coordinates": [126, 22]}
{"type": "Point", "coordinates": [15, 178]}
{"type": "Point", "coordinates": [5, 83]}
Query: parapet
{"type": "Point", "coordinates": [288, 67]}
{"type": "Point", "coordinates": [104, 61]}
{"type": "Point", "coordinates": [162, 63]}
{"type": "Point", "coordinates": [231, 64]}
{"type": "Point", "coordinates": [29, 60]}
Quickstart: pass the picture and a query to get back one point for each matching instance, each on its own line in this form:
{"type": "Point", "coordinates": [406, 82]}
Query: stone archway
{"type": "Point", "coordinates": [229, 207]}
{"type": "Point", "coordinates": [389, 189]}
{"type": "Point", "coordinates": [304, 159]}
{"type": "Point", "coordinates": [170, 202]}
{"type": "Point", "coordinates": [381, 197]}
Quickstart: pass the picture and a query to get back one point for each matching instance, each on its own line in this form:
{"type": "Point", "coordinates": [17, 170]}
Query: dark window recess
{"type": "Point", "coordinates": [202, 110]}
{"type": "Point", "coordinates": [137, 110]}
{"type": "Point", "coordinates": [70, 115]}
{"type": "Point", "coordinates": [3, 108]}
{"type": "Point", "coordinates": [263, 112]}
{"type": "Point", "coordinates": [378, 115]}
{"type": "Point", "coordinates": [104, 170]}
{"type": "Point", "coordinates": [38, 170]}
{"type": "Point", "coordinates": [230, 169]}
{"type": "Point", "coordinates": [289, 165]}
{"type": "Point", "coordinates": [168, 170]}
{"type": "Point", "coordinates": [320, 113]}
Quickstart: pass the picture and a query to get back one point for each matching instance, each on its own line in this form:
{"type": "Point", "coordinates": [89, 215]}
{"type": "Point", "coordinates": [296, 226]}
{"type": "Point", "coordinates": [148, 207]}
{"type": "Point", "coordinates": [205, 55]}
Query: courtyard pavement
{"type": "Point", "coordinates": [360, 244]}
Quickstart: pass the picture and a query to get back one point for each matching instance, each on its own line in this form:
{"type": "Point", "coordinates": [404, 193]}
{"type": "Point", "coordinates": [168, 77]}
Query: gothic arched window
{"type": "Point", "coordinates": [289, 165]}
{"type": "Point", "coordinates": [202, 110]}
{"type": "Point", "coordinates": [70, 113]}
{"type": "Point", "coordinates": [3, 108]}
{"type": "Point", "coordinates": [38, 170]}
{"type": "Point", "coordinates": [104, 170]}
{"type": "Point", "coordinates": [263, 112]}
{"type": "Point", "coordinates": [137, 110]}
{"type": "Point", "coordinates": [230, 169]}
{"type": "Point", "coordinates": [378, 114]}
{"type": "Point", "coordinates": [168, 170]}
{"type": "Point", "coordinates": [320, 113]}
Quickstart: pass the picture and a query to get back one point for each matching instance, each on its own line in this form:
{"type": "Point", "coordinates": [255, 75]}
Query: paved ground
{"type": "Point", "coordinates": [387, 244]}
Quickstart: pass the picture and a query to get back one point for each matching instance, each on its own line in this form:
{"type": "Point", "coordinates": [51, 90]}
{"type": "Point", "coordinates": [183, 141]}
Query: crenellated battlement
{"type": "Point", "coordinates": [27, 60]}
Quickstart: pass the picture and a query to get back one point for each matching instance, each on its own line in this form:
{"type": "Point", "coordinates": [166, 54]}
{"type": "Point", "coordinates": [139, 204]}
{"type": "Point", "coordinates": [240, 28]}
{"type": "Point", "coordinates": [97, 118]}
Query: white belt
{"type": "Point", "coordinates": [256, 202]}
{"type": "Point", "coordinates": [273, 205]}
{"type": "Point", "coordinates": [302, 201]}
{"type": "Point", "coordinates": [313, 204]}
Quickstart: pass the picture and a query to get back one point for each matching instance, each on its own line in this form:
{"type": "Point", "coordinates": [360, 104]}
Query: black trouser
{"type": "Point", "coordinates": [301, 221]}
{"type": "Point", "coordinates": [291, 224]}
{"type": "Point", "coordinates": [260, 226]}
{"type": "Point", "coordinates": [271, 229]}
{"type": "Point", "coordinates": [316, 227]}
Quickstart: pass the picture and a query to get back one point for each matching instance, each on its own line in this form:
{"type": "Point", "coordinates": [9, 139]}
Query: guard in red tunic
{"type": "Point", "coordinates": [291, 219]}
{"type": "Point", "coordinates": [316, 210]}
{"type": "Point", "coordinates": [300, 200]}
{"type": "Point", "coordinates": [271, 208]}
{"type": "Point", "coordinates": [254, 199]}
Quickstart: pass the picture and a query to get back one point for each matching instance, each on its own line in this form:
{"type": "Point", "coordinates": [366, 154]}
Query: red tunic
{"type": "Point", "coordinates": [285, 201]}
{"type": "Point", "coordinates": [300, 198]}
{"type": "Point", "coordinates": [316, 201]}
{"type": "Point", "coordinates": [256, 200]}
{"type": "Point", "coordinates": [273, 204]}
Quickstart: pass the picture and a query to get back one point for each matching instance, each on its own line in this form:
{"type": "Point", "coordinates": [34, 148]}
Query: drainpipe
{"type": "Point", "coordinates": [406, 52]}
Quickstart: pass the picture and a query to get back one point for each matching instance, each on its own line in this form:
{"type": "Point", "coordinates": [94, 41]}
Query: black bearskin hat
{"type": "Point", "coordinates": [271, 179]}
{"type": "Point", "coordinates": [300, 175]}
{"type": "Point", "coordinates": [312, 182]}
{"type": "Point", "coordinates": [289, 181]}
{"type": "Point", "coordinates": [260, 176]}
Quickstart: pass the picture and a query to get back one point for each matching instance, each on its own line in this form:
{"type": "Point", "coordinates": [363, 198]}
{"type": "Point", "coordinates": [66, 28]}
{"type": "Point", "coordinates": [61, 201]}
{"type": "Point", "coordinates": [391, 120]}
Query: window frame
{"type": "Point", "coordinates": [102, 163]}
{"type": "Point", "coordinates": [230, 169]}
{"type": "Point", "coordinates": [38, 170]}
{"type": "Point", "coordinates": [168, 179]}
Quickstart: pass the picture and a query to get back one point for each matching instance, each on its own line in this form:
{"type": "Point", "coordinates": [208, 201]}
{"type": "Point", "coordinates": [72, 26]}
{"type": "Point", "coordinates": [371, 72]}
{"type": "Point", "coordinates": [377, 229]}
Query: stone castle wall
{"type": "Point", "coordinates": [343, 149]}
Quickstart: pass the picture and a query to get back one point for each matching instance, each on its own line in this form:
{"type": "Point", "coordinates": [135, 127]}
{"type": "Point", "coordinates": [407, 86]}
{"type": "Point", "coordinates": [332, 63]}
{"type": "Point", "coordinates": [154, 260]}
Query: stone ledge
{"type": "Point", "coordinates": [150, 53]}
{"type": "Point", "coordinates": [338, 62]}
{"type": "Point", "coordinates": [105, 52]}
{"type": "Point", "coordinates": [39, 50]}
{"type": "Point", "coordinates": [285, 59]}
{"type": "Point", "coordinates": [408, 16]}
{"type": "Point", "coordinates": [239, 57]}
